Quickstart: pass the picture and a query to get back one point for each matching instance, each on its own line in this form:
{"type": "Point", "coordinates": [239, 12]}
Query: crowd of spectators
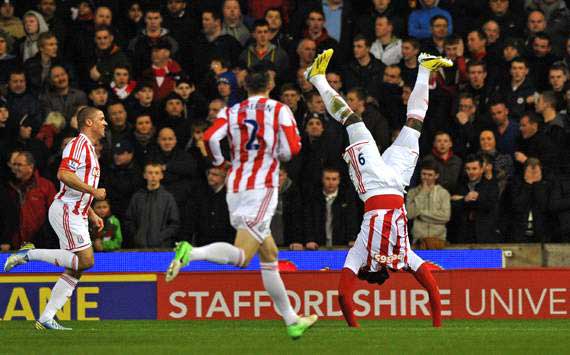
{"type": "Point", "coordinates": [495, 149]}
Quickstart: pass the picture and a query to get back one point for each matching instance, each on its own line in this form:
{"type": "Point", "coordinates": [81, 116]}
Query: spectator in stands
{"type": "Point", "coordinates": [287, 223]}
{"type": "Point", "coordinates": [51, 128]}
{"type": "Point", "coordinates": [531, 219]}
{"type": "Point", "coordinates": [409, 62]}
{"type": "Point", "coordinates": [183, 27]}
{"type": "Point", "coordinates": [145, 103]}
{"type": "Point", "coordinates": [163, 71]}
{"type": "Point", "coordinates": [429, 208]}
{"type": "Point", "coordinates": [10, 23]}
{"type": "Point", "coordinates": [439, 32]}
{"type": "Point", "coordinates": [33, 195]}
{"type": "Point", "coordinates": [56, 25]}
{"type": "Point", "coordinates": [25, 141]}
{"type": "Point", "coordinates": [124, 177]}
{"type": "Point", "coordinates": [420, 20]}
{"type": "Point", "coordinates": [448, 164]}
{"type": "Point", "coordinates": [213, 108]}
{"type": "Point", "coordinates": [277, 34]}
{"type": "Point", "coordinates": [233, 21]}
{"type": "Point", "coordinates": [306, 52]}
{"type": "Point", "coordinates": [122, 85]}
{"type": "Point", "coordinates": [503, 168]}
{"type": "Point", "coordinates": [330, 214]}
{"type": "Point", "coordinates": [365, 24]}
{"type": "Point", "coordinates": [195, 103]}
{"type": "Point", "coordinates": [99, 97]}
{"type": "Point", "coordinates": [6, 132]}
{"type": "Point", "coordinates": [37, 67]}
{"type": "Point", "coordinates": [8, 61]}
{"type": "Point", "coordinates": [554, 124]}
{"type": "Point", "coordinates": [197, 148]}
{"type": "Point", "coordinates": [142, 45]}
{"type": "Point", "coordinates": [388, 94]}
{"type": "Point", "coordinates": [466, 126]}
{"type": "Point", "coordinates": [540, 60]}
{"type": "Point", "coordinates": [178, 166]}
{"type": "Point", "coordinates": [315, 29]}
{"type": "Point", "coordinates": [107, 57]}
{"type": "Point", "coordinates": [479, 85]}
{"type": "Point", "coordinates": [520, 90]}
{"type": "Point", "coordinates": [208, 211]}
{"type": "Point", "coordinates": [507, 130]}
{"type": "Point", "coordinates": [21, 102]}
{"type": "Point", "coordinates": [373, 120]}
{"type": "Point", "coordinates": [494, 39]}
{"type": "Point", "coordinates": [450, 78]}
{"type": "Point", "coordinates": [387, 47]}
{"type": "Point", "coordinates": [535, 23]}
{"type": "Point", "coordinates": [477, 45]}
{"type": "Point", "coordinates": [110, 237]}
{"type": "Point", "coordinates": [133, 22]}
{"type": "Point", "coordinates": [533, 143]}
{"type": "Point", "coordinates": [557, 16]}
{"type": "Point", "coordinates": [144, 138]}
{"type": "Point", "coordinates": [364, 70]}
{"type": "Point", "coordinates": [174, 116]}
{"type": "Point", "coordinates": [263, 50]}
{"type": "Point", "coordinates": [475, 205]}
{"type": "Point", "coordinates": [34, 25]}
{"type": "Point", "coordinates": [213, 43]}
{"type": "Point", "coordinates": [61, 97]}
{"type": "Point", "coordinates": [558, 80]}
{"type": "Point", "coordinates": [334, 78]}
{"type": "Point", "coordinates": [152, 219]}
{"type": "Point", "coordinates": [120, 128]}
{"type": "Point", "coordinates": [511, 23]}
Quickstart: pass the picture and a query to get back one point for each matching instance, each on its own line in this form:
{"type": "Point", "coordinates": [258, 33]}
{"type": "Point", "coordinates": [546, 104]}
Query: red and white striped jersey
{"type": "Point", "coordinates": [79, 157]}
{"type": "Point", "coordinates": [261, 132]}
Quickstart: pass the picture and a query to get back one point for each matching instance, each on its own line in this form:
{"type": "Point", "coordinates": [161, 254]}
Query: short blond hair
{"type": "Point", "coordinates": [56, 119]}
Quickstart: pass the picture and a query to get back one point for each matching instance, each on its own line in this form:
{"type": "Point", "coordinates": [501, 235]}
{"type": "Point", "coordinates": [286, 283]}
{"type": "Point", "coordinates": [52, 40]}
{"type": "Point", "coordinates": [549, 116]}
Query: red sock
{"type": "Point", "coordinates": [425, 278]}
{"type": "Point", "coordinates": [346, 288]}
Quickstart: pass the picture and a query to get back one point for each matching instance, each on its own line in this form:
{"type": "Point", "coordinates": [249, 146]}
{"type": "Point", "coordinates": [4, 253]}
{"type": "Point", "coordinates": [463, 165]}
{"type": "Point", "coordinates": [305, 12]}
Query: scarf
{"type": "Point", "coordinates": [160, 74]}
{"type": "Point", "coordinates": [124, 92]}
{"type": "Point", "coordinates": [144, 139]}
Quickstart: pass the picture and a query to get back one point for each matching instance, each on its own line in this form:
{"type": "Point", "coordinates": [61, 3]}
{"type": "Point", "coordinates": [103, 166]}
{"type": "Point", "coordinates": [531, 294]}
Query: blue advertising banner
{"type": "Point", "coordinates": [304, 260]}
{"type": "Point", "coordinates": [97, 297]}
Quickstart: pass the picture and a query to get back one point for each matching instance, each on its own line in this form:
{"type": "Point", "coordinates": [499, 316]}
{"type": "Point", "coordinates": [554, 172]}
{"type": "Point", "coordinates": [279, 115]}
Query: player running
{"type": "Point", "coordinates": [68, 215]}
{"type": "Point", "coordinates": [261, 132]}
{"type": "Point", "coordinates": [380, 181]}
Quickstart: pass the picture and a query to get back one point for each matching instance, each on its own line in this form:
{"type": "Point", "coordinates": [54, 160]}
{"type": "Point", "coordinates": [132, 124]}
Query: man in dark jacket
{"type": "Point", "coordinates": [62, 97]}
{"type": "Point", "coordinates": [474, 205]}
{"type": "Point", "coordinates": [448, 164]}
{"type": "Point", "coordinates": [208, 217]}
{"type": "Point", "coordinates": [519, 91]}
{"type": "Point", "coordinates": [152, 219]}
{"type": "Point", "coordinates": [21, 102]}
{"type": "Point", "coordinates": [531, 218]}
{"type": "Point", "coordinates": [560, 204]}
{"type": "Point", "coordinates": [364, 70]}
{"type": "Point", "coordinates": [331, 216]}
{"type": "Point", "coordinates": [123, 179]}
{"type": "Point", "coordinates": [107, 57]}
{"type": "Point", "coordinates": [178, 166]}
{"type": "Point", "coordinates": [533, 143]}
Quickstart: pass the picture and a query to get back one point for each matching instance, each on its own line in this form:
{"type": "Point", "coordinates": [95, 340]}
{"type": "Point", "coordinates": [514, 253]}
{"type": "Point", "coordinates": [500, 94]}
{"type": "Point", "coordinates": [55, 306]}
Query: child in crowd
{"type": "Point", "coordinates": [110, 237]}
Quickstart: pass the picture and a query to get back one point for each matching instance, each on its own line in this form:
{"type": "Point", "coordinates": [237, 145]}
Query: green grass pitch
{"type": "Point", "coordinates": [269, 337]}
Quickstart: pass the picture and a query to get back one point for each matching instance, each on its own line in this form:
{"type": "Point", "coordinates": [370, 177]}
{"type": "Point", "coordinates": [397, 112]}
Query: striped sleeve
{"type": "Point", "coordinates": [71, 156]}
{"type": "Point", "coordinates": [289, 139]}
{"type": "Point", "coordinates": [212, 137]}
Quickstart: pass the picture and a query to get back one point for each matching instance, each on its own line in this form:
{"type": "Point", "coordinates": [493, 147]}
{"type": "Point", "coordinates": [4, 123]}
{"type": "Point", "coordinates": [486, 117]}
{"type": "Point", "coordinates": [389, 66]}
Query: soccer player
{"type": "Point", "coordinates": [262, 132]}
{"type": "Point", "coordinates": [380, 181]}
{"type": "Point", "coordinates": [69, 213]}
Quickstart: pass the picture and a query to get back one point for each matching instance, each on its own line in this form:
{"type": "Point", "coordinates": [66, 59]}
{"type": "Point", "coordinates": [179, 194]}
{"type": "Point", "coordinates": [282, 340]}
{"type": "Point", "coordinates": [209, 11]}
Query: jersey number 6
{"type": "Point", "coordinates": [361, 159]}
{"type": "Point", "coordinates": [251, 142]}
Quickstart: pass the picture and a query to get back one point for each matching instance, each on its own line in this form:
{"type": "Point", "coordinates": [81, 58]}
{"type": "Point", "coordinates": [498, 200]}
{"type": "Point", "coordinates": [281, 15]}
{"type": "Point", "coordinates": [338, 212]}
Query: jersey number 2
{"type": "Point", "coordinates": [251, 142]}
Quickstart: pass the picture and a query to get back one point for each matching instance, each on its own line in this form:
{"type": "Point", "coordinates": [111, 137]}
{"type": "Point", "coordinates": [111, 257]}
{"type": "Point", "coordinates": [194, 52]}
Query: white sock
{"type": "Point", "coordinates": [219, 253]}
{"type": "Point", "coordinates": [60, 293]}
{"type": "Point", "coordinates": [57, 257]}
{"type": "Point", "coordinates": [336, 106]}
{"type": "Point", "coordinates": [419, 98]}
{"type": "Point", "coordinates": [274, 286]}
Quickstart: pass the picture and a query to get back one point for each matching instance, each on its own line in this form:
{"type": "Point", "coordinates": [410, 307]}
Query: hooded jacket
{"type": "Point", "coordinates": [29, 44]}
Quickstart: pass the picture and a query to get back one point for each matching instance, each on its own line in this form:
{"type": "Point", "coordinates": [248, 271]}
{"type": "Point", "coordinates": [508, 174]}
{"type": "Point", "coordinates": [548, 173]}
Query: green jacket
{"type": "Point", "coordinates": [111, 235]}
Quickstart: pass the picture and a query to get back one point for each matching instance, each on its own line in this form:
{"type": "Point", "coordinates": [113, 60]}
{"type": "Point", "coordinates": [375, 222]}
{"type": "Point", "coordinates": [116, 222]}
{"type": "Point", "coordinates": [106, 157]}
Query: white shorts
{"type": "Point", "coordinates": [374, 174]}
{"type": "Point", "coordinates": [383, 241]}
{"type": "Point", "coordinates": [253, 210]}
{"type": "Point", "coordinates": [71, 229]}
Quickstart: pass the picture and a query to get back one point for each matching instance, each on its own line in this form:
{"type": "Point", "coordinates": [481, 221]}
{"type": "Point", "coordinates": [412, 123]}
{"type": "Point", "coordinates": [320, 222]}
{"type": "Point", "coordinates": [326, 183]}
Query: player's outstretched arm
{"type": "Point", "coordinates": [70, 179]}
{"type": "Point", "coordinates": [289, 143]}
